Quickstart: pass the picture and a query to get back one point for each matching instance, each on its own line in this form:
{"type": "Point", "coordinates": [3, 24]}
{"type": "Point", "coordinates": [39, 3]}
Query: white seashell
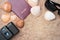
{"type": "Point", "coordinates": [13, 17]}
{"type": "Point", "coordinates": [49, 16]}
{"type": "Point", "coordinates": [33, 2]}
{"type": "Point", "coordinates": [35, 10]}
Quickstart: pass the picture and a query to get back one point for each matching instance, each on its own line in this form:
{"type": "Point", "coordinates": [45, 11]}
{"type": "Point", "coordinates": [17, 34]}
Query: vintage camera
{"type": "Point", "coordinates": [7, 32]}
{"type": "Point", "coordinates": [2, 37]}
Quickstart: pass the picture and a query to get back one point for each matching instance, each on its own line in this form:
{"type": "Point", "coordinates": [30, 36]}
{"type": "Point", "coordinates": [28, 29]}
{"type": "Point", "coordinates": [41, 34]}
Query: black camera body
{"type": "Point", "coordinates": [7, 32]}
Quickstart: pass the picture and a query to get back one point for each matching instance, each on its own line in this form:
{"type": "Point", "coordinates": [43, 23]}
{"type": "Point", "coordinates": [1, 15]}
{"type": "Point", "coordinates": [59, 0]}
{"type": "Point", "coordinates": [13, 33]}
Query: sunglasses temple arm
{"type": "Point", "coordinates": [56, 4]}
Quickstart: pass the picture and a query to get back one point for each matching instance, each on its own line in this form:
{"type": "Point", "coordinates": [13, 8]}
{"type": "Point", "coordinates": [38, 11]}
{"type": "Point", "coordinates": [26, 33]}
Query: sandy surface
{"type": "Point", "coordinates": [37, 28]}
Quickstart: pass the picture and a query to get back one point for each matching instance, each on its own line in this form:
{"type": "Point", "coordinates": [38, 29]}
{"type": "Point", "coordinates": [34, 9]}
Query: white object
{"type": "Point", "coordinates": [49, 16]}
{"type": "Point", "coordinates": [35, 10]}
{"type": "Point", "coordinates": [33, 2]}
{"type": "Point", "coordinates": [13, 17]}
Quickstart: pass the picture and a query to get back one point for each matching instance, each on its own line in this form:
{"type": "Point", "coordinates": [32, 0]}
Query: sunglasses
{"type": "Point", "coordinates": [52, 6]}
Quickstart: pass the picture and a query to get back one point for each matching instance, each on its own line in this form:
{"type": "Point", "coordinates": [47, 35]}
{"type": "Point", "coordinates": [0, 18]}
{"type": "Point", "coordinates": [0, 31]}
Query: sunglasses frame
{"type": "Point", "coordinates": [52, 6]}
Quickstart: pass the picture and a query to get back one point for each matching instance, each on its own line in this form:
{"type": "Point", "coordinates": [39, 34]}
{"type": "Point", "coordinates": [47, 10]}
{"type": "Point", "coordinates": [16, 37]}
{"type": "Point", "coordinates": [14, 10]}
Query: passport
{"type": "Point", "coordinates": [21, 8]}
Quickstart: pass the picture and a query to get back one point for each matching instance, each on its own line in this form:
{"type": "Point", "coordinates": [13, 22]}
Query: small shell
{"type": "Point", "coordinates": [5, 17]}
{"type": "Point", "coordinates": [20, 23]}
{"type": "Point", "coordinates": [35, 10]}
{"type": "Point", "coordinates": [49, 16]}
{"type": "Point", "coordinates": [13, 17]}
{"type": "Point", "coordinates": [33, 2]}
{"type": "Point", "coordinates": [7, 7]}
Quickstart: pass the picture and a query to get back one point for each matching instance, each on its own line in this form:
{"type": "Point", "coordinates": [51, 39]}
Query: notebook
{"type": "Point", "coordinates": [21, 8]}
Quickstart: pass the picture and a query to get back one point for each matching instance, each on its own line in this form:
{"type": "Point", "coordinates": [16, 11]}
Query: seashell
{"type": "Point", "coordinates": [35, 10]}
{"type": "Point", "coordinates": [49, 16]}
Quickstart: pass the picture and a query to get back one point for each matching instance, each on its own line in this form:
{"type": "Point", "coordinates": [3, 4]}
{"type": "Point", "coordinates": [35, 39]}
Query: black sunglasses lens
{"type": "Point", "coordinates": [58, 12]}
{"type": "Point", "coordinates": [50, 6]}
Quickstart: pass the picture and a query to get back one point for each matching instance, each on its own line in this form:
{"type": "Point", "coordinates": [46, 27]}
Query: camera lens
{"type": "Point", "coordinates": [7, 34]}
{"type": "Point", "coordinates": [5, 31]}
